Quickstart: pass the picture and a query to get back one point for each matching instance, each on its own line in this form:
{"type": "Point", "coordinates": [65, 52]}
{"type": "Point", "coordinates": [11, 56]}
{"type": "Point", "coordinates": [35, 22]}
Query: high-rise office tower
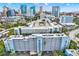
{"type": "Point", "coordinates": [0, 14]}
{"type": "Point", "coordinates": [41, 12]}
{"type": "Point", "coordinates": [55, 11]}
{"type": "Point", "coordinates": [41, 9]}
{"type": "Point", "coordinates": [10, 12]}
{"type": "Point", "coordinates": [5, 9]}
{"type": "Point", "coordinates": [23, 9]}
{"type": "Point", "coordinates": [32, 11]}
{"type": "Point", "coordinates": [19, 12]}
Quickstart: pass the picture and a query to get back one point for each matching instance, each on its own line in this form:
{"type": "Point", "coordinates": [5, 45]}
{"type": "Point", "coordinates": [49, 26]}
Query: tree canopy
{"type": "Point", "coordinates": [1, 48]}
{"type": "Point", "coordinates": [73, 45]}
{"type": "Point", "coordinates": [58, 53]}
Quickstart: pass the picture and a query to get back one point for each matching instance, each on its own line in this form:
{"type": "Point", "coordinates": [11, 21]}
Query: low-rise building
{"type": "Point", "coordinates": [66, 20]}
{"type": "Point", "coordinates": [11, 18]}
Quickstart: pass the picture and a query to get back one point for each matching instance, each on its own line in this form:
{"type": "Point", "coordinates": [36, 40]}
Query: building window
{"type": "Point", "coordinates": [44, 43]}
{"type": "Point", "coordinates": [55, 30]}
{"type": "Point", "coordinates": [39, 45]}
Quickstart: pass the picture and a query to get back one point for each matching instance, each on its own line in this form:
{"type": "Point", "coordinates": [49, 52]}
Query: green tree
{"type": "Point", "coordinates": [76, 20]}
{"type": "Point", "coordinates": [58, 53]}
{"type": "Point", "coordinates": [65, 29]}
{"type": "Point", "coordinates": [73, 45]}
{"type": "Point", "coordinates": [11, 32]}
{"type": "Point", "coordinates": [1, 48]}
{"type": "Point", "coordinates": [77, 35]}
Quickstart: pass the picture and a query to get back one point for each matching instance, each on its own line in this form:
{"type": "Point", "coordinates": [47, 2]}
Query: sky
{"type": "Point", "coordinates": [64, 7]}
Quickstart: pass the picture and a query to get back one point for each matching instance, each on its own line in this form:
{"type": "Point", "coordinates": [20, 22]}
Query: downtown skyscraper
{"type": "Point", "coordinates": [10, 12]}
{"type": "Point", "coordinates": [23, 9]}
{"type": "Point", "coordinates": [5, 9]}
{"type": "Point", "coordinates": [32, 11]}
{"type": "Point", "coordinates": [55, 11]}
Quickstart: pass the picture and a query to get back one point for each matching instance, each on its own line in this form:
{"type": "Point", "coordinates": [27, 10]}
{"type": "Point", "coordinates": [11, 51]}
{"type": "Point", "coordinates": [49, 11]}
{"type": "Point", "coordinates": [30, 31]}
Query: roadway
{"type": "Point", "coordinates": [73, 33]}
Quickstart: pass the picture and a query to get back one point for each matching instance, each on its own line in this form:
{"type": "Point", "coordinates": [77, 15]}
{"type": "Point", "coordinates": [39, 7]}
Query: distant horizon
{"type": "Point", "coordinates": [64, 7]}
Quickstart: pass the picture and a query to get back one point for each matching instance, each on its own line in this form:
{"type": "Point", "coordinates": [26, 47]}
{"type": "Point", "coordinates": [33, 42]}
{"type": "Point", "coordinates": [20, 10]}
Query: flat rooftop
{"type": "Point", "coordinates": [68, 23]}
{"type": "Point", "coordinates": [47, 35]}
{"type": "Point", "coordinates": [51, 34]}
{"type": "Point", "coordinates": [41, 23]}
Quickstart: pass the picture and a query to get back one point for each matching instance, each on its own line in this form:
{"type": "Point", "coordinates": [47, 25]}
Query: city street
{"type": "Point", "coordinates": [72, 33]}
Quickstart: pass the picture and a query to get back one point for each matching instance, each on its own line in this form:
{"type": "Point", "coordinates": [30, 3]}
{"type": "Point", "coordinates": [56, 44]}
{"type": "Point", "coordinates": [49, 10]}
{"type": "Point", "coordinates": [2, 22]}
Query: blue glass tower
{"type": "Point", "coordinates": [10, 12]}
{"type": "Point", "coordinates": [23, 9]}
{"type": "Point", "coordinates": [32, 11]}
{"type": "Point", "coordinates": [55, 11]}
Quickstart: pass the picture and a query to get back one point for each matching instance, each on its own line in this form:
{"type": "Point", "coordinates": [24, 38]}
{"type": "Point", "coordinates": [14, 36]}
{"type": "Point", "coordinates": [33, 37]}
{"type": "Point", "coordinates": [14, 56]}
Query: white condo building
{"type": "Point", "coordinates": [39, 26]}
{"type": "Point", "coordinates": [37, 42]}
{"type": "Point", "coordinates": [40, 35]}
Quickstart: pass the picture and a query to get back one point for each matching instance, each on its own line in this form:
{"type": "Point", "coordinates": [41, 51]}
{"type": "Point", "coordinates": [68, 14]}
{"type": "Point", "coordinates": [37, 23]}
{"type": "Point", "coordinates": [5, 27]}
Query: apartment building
{"type": "Point", "coordinates": [39, 26]}
{"type": "Point", "coordinates": [37, 42]}
{"type": "Point", "coordinates": [40, 35]}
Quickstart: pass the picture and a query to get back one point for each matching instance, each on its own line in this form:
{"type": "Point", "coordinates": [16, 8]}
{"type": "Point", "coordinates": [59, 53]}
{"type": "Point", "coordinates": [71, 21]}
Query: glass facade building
{"type": "Point", "coordinates": [10, 13]}
{"type": "Point", "coordinates": [55, 11]}
{"type": "Point", "coordinates": [23, 9]}
{"type": "Point", "coordinates": [32, 11]}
